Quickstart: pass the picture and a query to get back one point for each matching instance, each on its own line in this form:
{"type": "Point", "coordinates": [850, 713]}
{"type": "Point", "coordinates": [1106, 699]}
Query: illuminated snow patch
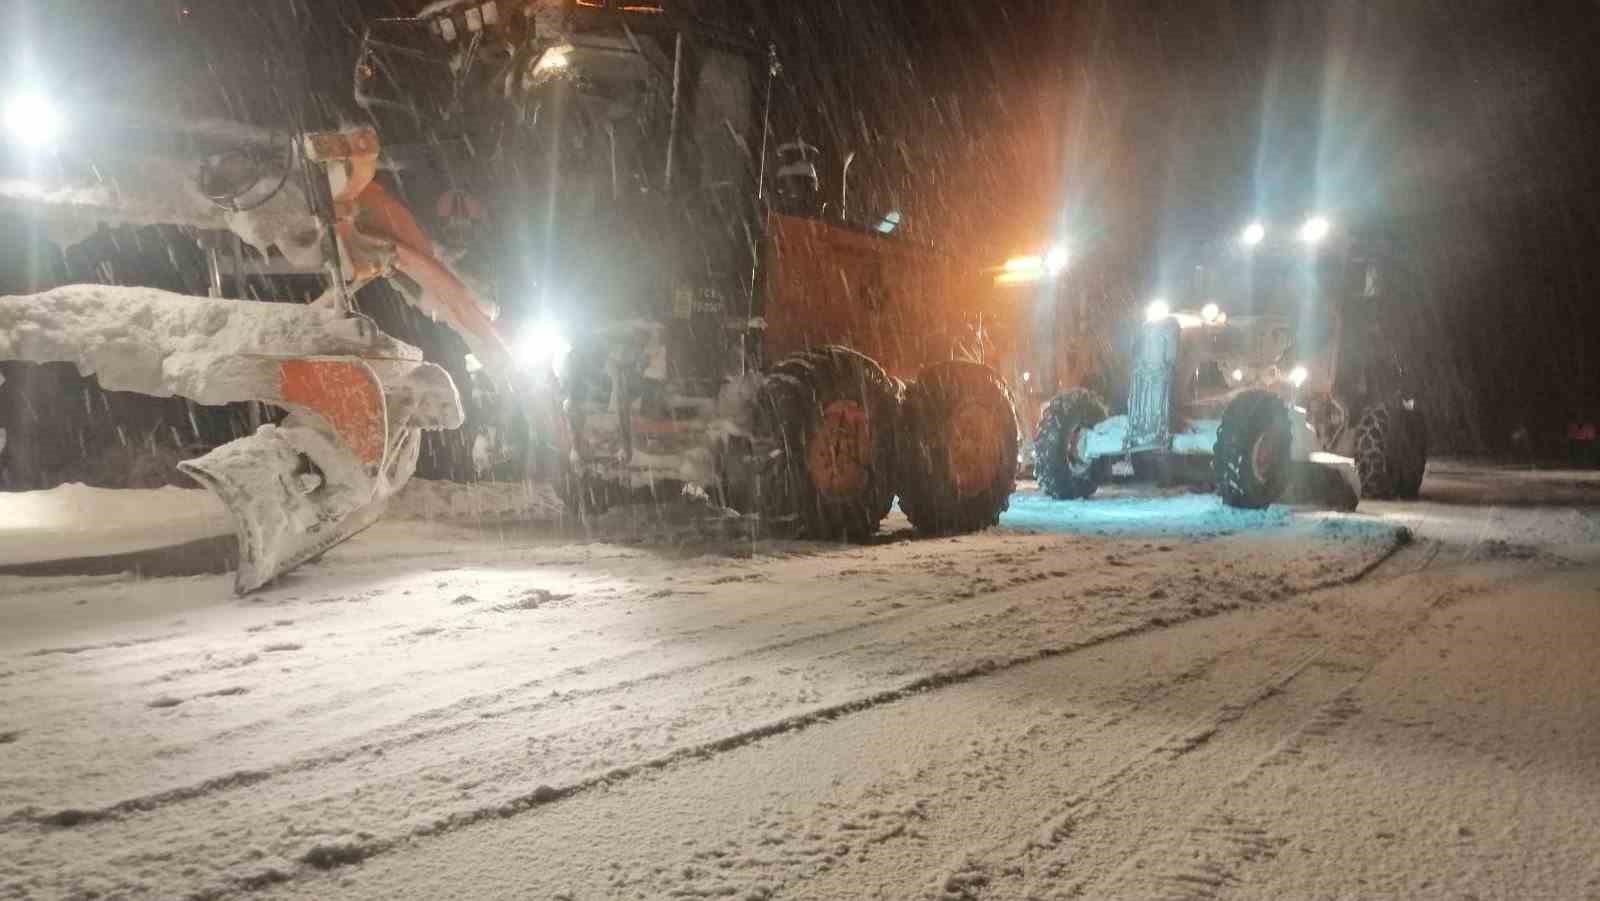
{"type": "Point", "coordinates": [1183, 514]}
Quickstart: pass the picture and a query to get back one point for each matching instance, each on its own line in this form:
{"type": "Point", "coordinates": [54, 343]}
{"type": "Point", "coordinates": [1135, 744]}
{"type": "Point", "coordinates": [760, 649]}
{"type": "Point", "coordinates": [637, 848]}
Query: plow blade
{"type": "Point", "coordinates": [283, 510]}
{"type": "Point", "coordinates": [1324, 480]}
{"type": "Point", "coordinates": [286, 508]}
{"type": "Point", "coordinates": [357, 401]}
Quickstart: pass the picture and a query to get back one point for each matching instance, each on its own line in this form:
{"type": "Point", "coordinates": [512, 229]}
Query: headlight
{"type": "Point", "coordinates": [1314, 230]}
{"type": "Point", "coordinates": [1211, 312]}
{"type": "Point", "coordinates": [1056, 259]}
{"type": "Point", "coordinates": [542, 345]}
{"type": "Point", "coordinates": [1025, 270]}
{"type": "Point", "coordinates": [32, 120]}
{"type": "Point", "coordinates": [1253, 234]}
{"type": "Point", "coordinates": [553, 60]}
{"type": "Point", "coordinates": [1157, 311]}
{"type": "Point", "coordinates": [1238, 375]}
{"type": "Point", "coordinates": [1298, 376]}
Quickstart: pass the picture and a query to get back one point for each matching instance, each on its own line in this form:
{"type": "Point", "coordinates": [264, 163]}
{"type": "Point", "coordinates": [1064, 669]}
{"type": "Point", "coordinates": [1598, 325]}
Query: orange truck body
{"type": "Point", "coordinates": [901, 304]}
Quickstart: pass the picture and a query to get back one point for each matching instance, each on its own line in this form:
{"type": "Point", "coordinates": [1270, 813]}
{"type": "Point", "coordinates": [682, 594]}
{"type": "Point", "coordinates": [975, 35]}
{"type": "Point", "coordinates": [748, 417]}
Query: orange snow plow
{"type": "Point", "coordinates": [356, 399]}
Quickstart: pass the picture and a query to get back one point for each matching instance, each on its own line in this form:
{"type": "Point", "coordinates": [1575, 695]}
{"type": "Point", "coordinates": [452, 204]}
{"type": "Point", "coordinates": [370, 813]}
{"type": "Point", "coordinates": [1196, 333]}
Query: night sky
{"type": "Point", "coordinates": [1134, 128]}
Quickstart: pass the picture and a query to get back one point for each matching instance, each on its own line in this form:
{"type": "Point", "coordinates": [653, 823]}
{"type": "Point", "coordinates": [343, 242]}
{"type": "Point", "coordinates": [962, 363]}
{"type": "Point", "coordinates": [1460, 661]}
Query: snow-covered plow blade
{"type": "Point", "coordinates": [1324, 480]}
{"type": "Point", "coordinates": [357, 400]}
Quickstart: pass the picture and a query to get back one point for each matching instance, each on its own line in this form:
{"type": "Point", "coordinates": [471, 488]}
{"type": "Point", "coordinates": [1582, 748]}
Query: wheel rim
{"type": "Point", "coordinates": [1264, 457]}
{"type": "Point", "coordinates": [839, 458]}
{"type": "Point", "coordinates": [976, 449]}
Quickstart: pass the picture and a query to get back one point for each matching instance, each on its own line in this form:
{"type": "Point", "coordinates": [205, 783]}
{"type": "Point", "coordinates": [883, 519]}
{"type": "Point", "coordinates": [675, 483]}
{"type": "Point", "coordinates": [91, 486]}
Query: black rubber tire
{"type": "Point", "coordinates": [794, 396]}
{"type": "Point", "coordinates": [1251, 418]}
{"type": "Point", "coordinates": [1060, 476]}
{"type": "Point", "coordinates": [930, 495]}
{"type": "Point", "coordinates": [1414, 464]}
{"type": "Point", "coordinates": [1391, 452]}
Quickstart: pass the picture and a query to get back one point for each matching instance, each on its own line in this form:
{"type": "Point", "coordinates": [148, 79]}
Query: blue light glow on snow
{"type": "Point", "coordinates": [1105, 514]}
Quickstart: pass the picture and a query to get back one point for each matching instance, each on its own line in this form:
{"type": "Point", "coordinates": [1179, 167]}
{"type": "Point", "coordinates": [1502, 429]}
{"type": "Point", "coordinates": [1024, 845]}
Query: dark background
{"type": "Point", "coordinates": [1130, 129]}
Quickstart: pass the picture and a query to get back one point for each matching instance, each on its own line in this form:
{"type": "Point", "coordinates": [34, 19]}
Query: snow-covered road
{"type": "Point", "coordinates": [1134, 696]}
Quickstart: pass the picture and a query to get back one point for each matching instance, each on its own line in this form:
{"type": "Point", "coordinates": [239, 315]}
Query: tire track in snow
{"type": "Point", "coordinates": [326, 855]}
{"type": "Point", "coordinates": [1199, 858]}
{"type": "Point", "coordinates": [73, 816]}
{"type": "Point", "coordinates": [1174, 745]}
{"type": "Point", "coordinates": [105, 668]}
{"type": "Point", "coordinates": [794, 838]}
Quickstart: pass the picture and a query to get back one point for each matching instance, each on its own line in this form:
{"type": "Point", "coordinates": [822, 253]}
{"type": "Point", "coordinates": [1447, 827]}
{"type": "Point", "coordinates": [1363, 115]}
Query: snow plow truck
{"type": "Point", "coordinates": [712, 319]}
{"type": "Point", "coordinates": [599, 170]}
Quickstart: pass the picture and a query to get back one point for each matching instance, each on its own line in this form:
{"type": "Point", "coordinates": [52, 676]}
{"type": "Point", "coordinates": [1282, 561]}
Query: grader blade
{"type": "Point", "coordinates": [323, 476]}
{"type": "Point", "coordinates": [357, 402]}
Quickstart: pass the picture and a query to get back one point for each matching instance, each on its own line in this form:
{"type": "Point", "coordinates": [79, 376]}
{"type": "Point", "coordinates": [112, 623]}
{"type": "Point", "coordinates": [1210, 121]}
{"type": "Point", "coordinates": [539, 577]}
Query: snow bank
{"type": "Point", "coordinates": [430, 500]}
{"type": "Point", "coordinates": [75, 520]}
{"type": "Point", "coordinates": [1183, 514]}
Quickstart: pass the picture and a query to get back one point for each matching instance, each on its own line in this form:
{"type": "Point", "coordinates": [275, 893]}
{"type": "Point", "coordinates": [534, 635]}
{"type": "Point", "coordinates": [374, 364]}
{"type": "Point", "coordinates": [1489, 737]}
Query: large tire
{"type": "Point", "coordinates": [1414, 463]}
{"type": "Point", "coordinates": [1252, 458]}
{"type": "Point", "coordinates": [957, 449]}
{"type": "Point", "coordinates": [833, 414]}
{"type": "Point", "coordinates": [1061, 475]}
{"type": "Point", "coordinates": [1391, 452]}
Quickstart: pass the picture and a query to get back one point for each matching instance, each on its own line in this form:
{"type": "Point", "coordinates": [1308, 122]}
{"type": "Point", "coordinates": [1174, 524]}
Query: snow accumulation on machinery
{"type": "Point", "coordinates": [717, 329]}
{"type": "Point", "coordinates": [349, 401]}
{"type": "Point", "coordinates": [355, 398]}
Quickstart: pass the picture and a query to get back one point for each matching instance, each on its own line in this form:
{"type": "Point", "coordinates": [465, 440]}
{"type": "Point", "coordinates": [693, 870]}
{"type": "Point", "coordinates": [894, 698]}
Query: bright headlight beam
{"type": "Point", "coordinates": [553, 60]}
{"type": "Point", "coordinates": [1211, 312]}
{"type": "Point", "coordinates": [32, 120]}
{"type": "Point", "coordinates": [1314, 230]}
{"type": "Point", "coordinates": [1253, 234]}
{"type": "Point", "coordinates": [541, 345]}
{"type": "Point", "coordinates": [1024, 270]}
{"type": "Point", "coordinates": [1056, 260]}
{"type": "Point", "coordinates": [1298, 376]}
{"type": "Point", "coordinates": [1157, 310]}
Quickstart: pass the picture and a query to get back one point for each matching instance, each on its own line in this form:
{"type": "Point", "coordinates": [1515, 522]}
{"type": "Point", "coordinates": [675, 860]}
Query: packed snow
{"type": "Point", "coordinates": [1113, 512]}
{"type": "Point", "coordinates": [1085, 702]}
{"type": "Point", "coordinates": [74, 521]}
{"type": "Point", "coordinates": [479, 502]}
